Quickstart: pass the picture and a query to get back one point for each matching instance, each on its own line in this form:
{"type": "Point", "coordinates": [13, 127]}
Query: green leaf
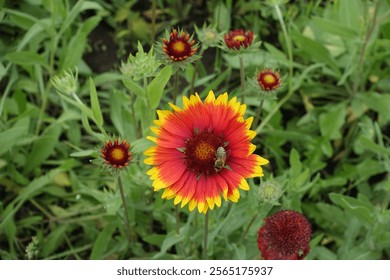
{"type": "Point", "coordinates": [377, 102]}
{"type": "Point", "coordinates": [295, 162]}
{"type": "Point", "coordinates": [335, 28]}
{"type": "Point", "coordinates": [97, 113]}
{"type": "Point", "coordinates": [9, 137]}
{"type": "Point", "coordinates": [156, 87]}
{"type": "Point", "coordinates": [133, 86]}
{"type": "Point", "coordinates": [315, 50]}
{"type": "Point", "coordinates": [26, 58]}
{"type": "Point", "coordinates": [72, 54]}
{"type": "Point", "coordinates": [368, 144]}
{"type": "Point", "coordinates": [101, 242]}
{"type": "Point", "coordinates": [85, 153]}
{"type": "Point", "coordinates": [43, 147]}
{"type": "Point", "coordinates": [332, 120]}
{"type": "Point", "coordinates": [80, 6]}
{"type": "Point", "coordinates": [356, 208]}
{"type": "Point", "coordinates": [53, 240]}
{"type": "Point", "coordinates": [154, 239]}
{"type": "Point", "coordinates": [171, 239]}
{"type": "Point", "coordinates": [37, 28]}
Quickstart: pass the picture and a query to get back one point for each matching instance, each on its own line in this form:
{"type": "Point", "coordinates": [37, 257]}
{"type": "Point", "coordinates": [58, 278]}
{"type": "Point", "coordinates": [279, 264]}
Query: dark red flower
{"type": "Point", "coordinates": [117, 154]}
{"type": "Point", "coordinates": [284, 236]}
{"type": "Point", "coordinates": [238, 38]}
{"type": "Point", "coordinates": [268, 79]}
{"type": "Point", "coordinates": [180, 46]}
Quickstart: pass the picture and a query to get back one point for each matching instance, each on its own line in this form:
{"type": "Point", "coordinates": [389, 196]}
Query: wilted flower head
{"type": "Point", "coordinates": [179, 48]}
{"type": "Point", "coordinates": [116, 154]}
{"type": "Point", "coordinates": [141, 65]}
{"type": "Point", "coordinates": [66, 83]}
{"type": "Point", "coordinates": [284, 236]}
{"type": "Point", "coordinates": [268, 79]}
{"type": "Point", "coordinates": [208, 36]}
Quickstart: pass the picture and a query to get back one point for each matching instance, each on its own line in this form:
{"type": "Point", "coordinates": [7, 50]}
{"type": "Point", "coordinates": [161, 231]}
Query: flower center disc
{"type": "Point", "coordinates": [204, 151]}
{"type": "Point", "coordinates": [269, 78]}
{"type": "Point", "coordinates": [239, 38]}
{"type": "Point", "coordinates": [179, 47]}
{"type": "Point", "coordinates": [117, 154]}
{"type": "Point", "coordinates": [200, 152]}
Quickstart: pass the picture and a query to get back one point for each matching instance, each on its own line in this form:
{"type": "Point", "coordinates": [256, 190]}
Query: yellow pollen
{"type": "Point", "coordinates": [204, 151]}
{"type": "Point", "coordinates": [269, 78]}
{"type": "Point", "coordinates": [179, 46]}
{"type": "Point", "coordinates": [239, 38]}
{"type": "Point", "coordinates": [117, 153]}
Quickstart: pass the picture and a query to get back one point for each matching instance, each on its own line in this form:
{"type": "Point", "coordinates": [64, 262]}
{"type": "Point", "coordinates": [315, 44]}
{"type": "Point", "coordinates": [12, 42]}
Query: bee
{"type": "Point", "coordinates": [220, 159]}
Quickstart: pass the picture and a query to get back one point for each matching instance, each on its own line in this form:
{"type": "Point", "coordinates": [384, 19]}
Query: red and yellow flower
{"type": "Point", "coordinates": [285, 235]}
{"type": "Point", "coordinates": [203, 152]}
{"type": "Point", "coordinates": [238, 39]}
{"type": "Point", "coordinates": [116, 154]}
{"type": "Point", "coordinates": [180, 46]}
{"type": "Point", "coordinates": [268, 79]}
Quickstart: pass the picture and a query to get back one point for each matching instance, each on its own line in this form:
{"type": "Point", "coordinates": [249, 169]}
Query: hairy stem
{"type": "Point", "coordinates": [242, 78]}
{"type": "Point", "coordinates": [291, 72]}
{"type": "Point", "coordinates": [127, 223]}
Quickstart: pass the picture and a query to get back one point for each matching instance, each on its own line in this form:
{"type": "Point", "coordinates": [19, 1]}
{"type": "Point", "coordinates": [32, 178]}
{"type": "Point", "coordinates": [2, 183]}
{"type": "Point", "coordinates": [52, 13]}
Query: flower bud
{"type": "Point", "coordinates": [66, 83]}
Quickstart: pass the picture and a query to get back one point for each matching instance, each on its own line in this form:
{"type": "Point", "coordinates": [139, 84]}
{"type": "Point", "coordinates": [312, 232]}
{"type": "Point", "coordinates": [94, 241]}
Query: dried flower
{"type": "Point", "coordinates": [284, 236]}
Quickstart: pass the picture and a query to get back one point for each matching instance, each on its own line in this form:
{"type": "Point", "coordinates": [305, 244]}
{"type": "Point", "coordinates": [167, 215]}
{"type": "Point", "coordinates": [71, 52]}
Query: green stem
{"type": "Point", "coordinates": [248, 228]}
{"type": "Point", "coordinates": [176, 86]}
{"type": "Point", "coordinates": [370, 31]}
{"type": "Point", "coordinates": [136, 126]}
{"type": "Point", "coordinates": [291, 72]}
{"type": "Point", "coordinates": [180, 246]}
{"type": "Point", "coordinates": [261, 214]}
{"type": "Point", "coordinates": [258, 112]}
{"type": "Point", "coordinates": [153, 27]}
{"type": "Point", "coordinates": [242, 78]}
{"type": "Point", "coordinates": [177, 219]}
{"type": "Point", "coordinates": [205, 236]}
{"type": "Point", "coordinates": [194, 74]}
{"type": "Point", "coordinates": [127, 223]}
{"type": "Point", "coordinates": [147, 96]}
{"type": "Point", "coordinates": [288, 44]}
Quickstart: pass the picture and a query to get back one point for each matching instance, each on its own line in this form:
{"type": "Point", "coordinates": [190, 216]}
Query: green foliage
{"type": "Point", "coordinates": [326, 135]}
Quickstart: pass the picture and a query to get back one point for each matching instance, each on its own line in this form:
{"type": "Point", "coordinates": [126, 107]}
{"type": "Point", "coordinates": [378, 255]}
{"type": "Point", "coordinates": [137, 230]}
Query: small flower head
{"type": "Point", "coordinates": [209, 36]}
{"type": "Point", "coordinates": [270, 191]}
{"type": "Point", "coordinates": [284, 236]}
{"type": "Point", "coordinates": [115, 154]}
{"type": "Point", "coordinates": [179, 48]}
{"type": "Point", "coordinates": [238, 39]}
{"type": "Point", "coordinates": [141, 65]}
{"type": "Point", "coordinates": [66, 83]}
{"type": "Point", "coordinates": [268, 79]}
